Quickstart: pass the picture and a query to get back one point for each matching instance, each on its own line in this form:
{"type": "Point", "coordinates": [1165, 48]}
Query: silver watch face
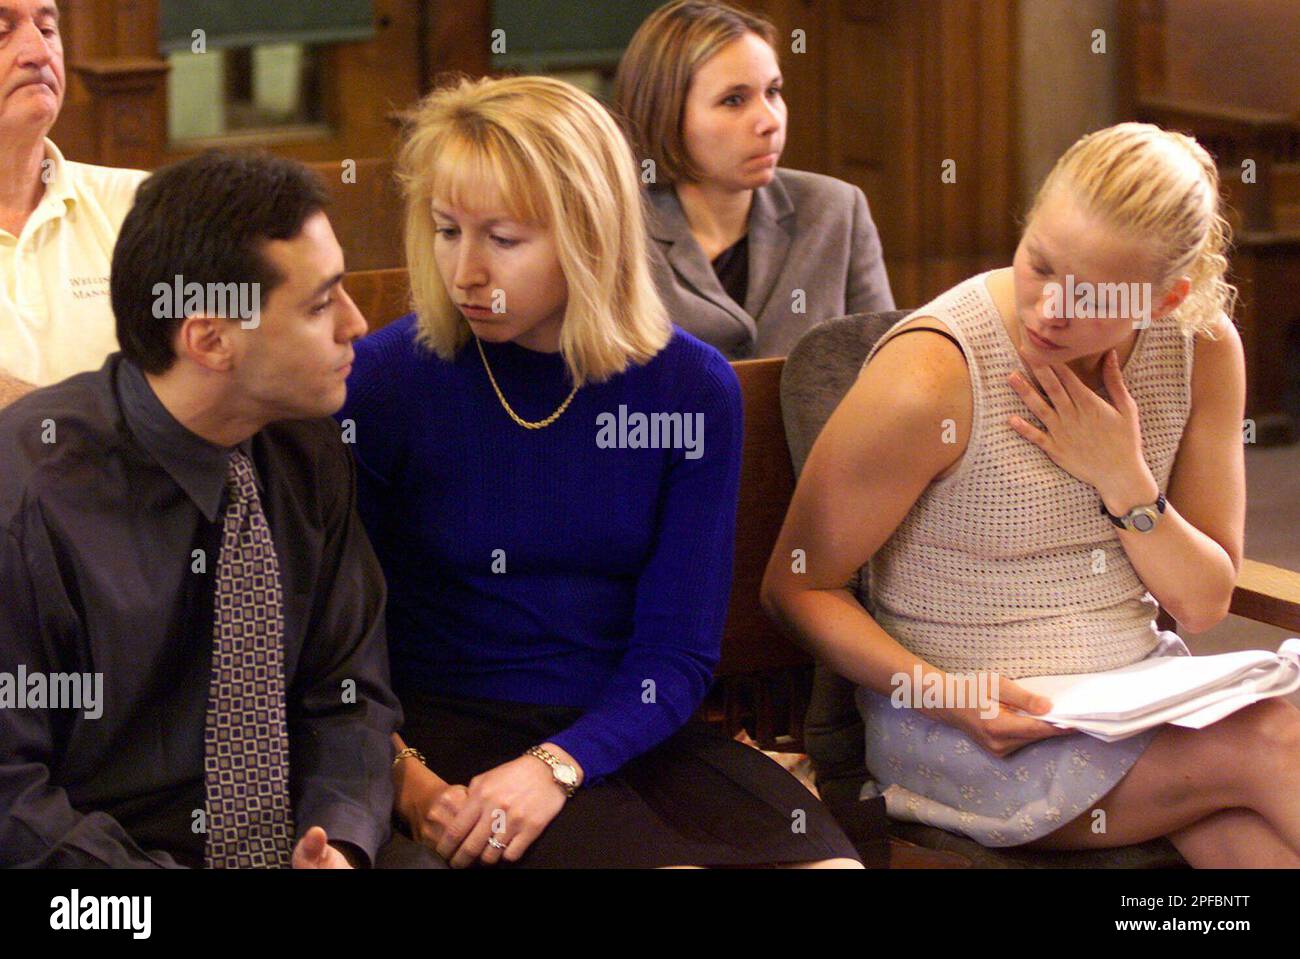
{"type": "Point", "coordinates": [1143, 520]}
{"type": "Point", "coordinates": [565, 773]}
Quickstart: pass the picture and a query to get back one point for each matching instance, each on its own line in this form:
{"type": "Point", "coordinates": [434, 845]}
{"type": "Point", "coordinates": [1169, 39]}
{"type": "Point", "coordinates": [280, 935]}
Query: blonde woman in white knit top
{"type": "Point", "coordinates": [970, 465]}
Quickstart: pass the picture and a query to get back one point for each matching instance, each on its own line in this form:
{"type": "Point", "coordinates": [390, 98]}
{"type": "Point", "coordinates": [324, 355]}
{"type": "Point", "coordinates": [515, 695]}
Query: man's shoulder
{"type": "Point", "coordinates": [77, 403]}
{"type": "Point", "coordinates": [93, 175]}
{"type": "Point", "coordinates": [110, 187]}
{"type": "Point", "coordinates": [51, 432]}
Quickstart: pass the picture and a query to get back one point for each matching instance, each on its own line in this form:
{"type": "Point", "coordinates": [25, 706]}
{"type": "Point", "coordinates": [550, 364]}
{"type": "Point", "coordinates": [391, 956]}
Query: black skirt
{"type": "Point", "coordinates": [697, 799]}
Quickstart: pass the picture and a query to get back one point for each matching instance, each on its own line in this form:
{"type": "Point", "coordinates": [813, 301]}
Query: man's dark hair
{"type": "Point", "coordinates": [206, 220]}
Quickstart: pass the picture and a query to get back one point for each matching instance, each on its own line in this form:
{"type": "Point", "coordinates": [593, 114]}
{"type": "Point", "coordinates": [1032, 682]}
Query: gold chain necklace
{"type": "Point", "coordinates": [540, 424]}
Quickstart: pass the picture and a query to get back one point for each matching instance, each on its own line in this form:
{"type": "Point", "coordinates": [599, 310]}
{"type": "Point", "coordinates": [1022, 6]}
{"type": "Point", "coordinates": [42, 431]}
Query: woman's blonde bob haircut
{"type": "Point", "coordinates": [656, 71]}
{"type": "Point", "coordinates": [556, 159]}
{"type": "Point", "coordinates": [1162, 188]}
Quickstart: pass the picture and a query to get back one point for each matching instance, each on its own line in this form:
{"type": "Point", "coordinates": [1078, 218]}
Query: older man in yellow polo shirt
{"type": "Point", "coordinates": [58, 220]}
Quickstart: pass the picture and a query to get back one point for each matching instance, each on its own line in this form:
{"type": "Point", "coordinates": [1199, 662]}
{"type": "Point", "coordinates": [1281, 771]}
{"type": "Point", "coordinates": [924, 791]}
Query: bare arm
{"type": "Point", "coordinates": [875, 457]}
{"type": "Point", "coordinates": [1190, 560]}
{"type": "Point", "coordinates": [414, 785]}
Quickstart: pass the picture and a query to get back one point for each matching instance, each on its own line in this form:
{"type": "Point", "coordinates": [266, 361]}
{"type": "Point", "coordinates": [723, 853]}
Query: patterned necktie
{"type": "Point", "coordinates": [246, 739]}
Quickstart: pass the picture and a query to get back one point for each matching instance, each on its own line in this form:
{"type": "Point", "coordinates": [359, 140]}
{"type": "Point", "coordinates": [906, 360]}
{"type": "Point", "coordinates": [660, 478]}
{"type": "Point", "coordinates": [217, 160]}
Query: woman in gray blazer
{"type": "Point", "coordinates": [747, 256]}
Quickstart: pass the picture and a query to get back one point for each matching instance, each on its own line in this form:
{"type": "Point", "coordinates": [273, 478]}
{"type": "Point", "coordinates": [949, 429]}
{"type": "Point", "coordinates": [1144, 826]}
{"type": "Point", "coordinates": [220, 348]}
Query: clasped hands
{"type": "Point", "coordinates": [511, 804]}
{"type": "Point", "coordinates": [1095, 441]}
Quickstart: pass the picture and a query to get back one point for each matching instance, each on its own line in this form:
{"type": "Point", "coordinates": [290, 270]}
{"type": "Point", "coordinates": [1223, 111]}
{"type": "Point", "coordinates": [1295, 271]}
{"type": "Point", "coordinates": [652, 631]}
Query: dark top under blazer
{"type": "Point", "coordinates": [806, 232]}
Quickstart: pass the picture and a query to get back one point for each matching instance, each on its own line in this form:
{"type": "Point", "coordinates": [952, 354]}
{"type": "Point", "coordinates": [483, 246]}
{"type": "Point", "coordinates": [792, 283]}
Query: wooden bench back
{"type": "Point", "coordinates": [366, 214]}
{"type": "Point", "coordinates": [751, 642]}
{"type": "Point", "coordinates": [382, 296]}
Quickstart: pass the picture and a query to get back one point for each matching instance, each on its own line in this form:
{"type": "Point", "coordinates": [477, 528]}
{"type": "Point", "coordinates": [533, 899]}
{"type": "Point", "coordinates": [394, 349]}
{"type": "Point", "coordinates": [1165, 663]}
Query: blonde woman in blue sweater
{"type": "Point", "coordinates": [558, 565]}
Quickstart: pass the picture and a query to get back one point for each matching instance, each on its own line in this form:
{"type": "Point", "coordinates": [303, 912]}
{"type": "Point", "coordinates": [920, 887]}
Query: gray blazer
{"type": "Point", "coordinates": [806, 232]}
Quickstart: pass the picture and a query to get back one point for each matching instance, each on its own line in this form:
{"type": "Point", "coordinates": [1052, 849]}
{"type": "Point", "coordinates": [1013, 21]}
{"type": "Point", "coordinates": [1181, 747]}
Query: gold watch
{"type": "Point", "coordinates": [565, 774]}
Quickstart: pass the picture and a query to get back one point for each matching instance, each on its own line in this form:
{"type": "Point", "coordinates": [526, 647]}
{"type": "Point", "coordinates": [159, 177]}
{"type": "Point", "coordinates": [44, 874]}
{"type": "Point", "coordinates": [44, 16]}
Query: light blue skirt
{"type": "Point", "coordinates": [930, 773]}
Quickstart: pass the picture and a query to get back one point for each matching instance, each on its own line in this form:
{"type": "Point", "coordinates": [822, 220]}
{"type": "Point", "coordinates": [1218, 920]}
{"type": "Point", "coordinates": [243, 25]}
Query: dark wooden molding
{"type": "Point", "coordinates": [127, 109]}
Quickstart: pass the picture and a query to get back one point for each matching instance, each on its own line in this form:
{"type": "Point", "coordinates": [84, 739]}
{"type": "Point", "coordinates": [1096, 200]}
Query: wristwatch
{"type": "Point", "coordinates": [565, 774]}
{"type": "Point", "coordinates": [1140, 519]}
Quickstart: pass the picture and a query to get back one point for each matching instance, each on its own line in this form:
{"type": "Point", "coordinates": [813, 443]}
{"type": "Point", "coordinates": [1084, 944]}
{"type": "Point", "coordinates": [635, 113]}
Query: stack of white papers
{"type": "Point", "coordinates": [1191, 691]}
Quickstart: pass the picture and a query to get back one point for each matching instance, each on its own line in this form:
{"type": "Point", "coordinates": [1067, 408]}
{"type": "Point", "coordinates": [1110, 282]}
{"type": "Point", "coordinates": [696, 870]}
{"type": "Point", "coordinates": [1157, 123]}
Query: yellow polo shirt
{"type": "Point", "coordinates": [55, 315]}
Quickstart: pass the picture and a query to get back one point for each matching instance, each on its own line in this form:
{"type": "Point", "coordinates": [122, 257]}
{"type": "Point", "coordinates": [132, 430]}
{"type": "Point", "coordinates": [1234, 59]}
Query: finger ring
{"type": "Point", "coordinates": [496, 843]}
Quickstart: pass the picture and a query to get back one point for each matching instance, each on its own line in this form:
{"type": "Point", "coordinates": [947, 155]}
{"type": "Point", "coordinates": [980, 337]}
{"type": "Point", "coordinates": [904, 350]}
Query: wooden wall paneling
{"type": "Point", "coordinates": [382, 296]}
{"type": "Point", "coordinates": [1149, 50]}
{"type": "Point", "coordinates": [455, 38]}
{"type": "Point", "coordinates": [123, 115]}
{"type": "Point", "coordinates": [966, 101]}
{"type": "Point", "coordinates": [871, 120]}
{"type": "Point", "coordinates": [1266, 256]}
{"type": "Point", "coordinates": [949, 78]}
{"type": "Point", "coordinates": [127, 118]}
{"type": "Point", "coordinates": [366, 213]}
{"type": "Point", "coordinates": [906, 244]}
{"type": "Point", "coordinates": [135, 28]}
{"type": "Point", "coordinates": [90, 35]}
{"type": "Point", "coordinates": [806, 78]}
{"type": "Point", "coordinates": [95, 26]}
{"type": "Point", "coordinates": [376, 80]}
{"type": "Point", "coordinates": [72, 131]}
{"type": "Point", "coordinates": [861, 99]}
{"type": "Point", "coordinates": [1234, 54]}
{"type": "Point", "coordinates": [1127, 50]}
{"type": "Point", "coordinates": [115, 112]}
{"type": "Point", "coordinates": [998, 126]}
{"type": "Point", "coordinates": [1143, 68]}
{"type": "Point", "coordinates": [955, 100]}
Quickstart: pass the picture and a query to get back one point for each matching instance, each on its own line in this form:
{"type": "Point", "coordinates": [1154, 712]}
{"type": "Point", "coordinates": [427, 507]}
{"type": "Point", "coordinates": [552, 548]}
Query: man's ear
{"type": "Point", "coordinates": [207, 341]}
{"type": "Point", "coordinates": [1173, 298]}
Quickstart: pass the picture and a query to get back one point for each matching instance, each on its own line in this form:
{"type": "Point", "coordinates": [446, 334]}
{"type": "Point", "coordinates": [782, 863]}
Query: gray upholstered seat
{"type": "Point", "coordinates": [817, 374]}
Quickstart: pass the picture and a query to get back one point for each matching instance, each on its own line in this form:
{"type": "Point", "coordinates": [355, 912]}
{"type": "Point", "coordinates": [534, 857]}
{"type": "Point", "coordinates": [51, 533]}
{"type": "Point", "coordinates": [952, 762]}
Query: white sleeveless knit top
{"type": "Point", "coordinates": [1007, 564]}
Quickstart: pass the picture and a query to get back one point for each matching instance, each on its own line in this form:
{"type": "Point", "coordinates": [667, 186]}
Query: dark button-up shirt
{"type": "Point", "coordinates": [110, 527]}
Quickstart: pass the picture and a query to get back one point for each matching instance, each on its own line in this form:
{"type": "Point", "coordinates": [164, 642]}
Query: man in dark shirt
{"type": "Point", "coordinates": [192, 653]}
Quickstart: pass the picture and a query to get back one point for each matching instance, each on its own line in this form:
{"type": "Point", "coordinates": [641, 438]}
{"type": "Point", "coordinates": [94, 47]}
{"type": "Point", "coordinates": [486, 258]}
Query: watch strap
{"type": "Point", "coordinates": [537, 752]}
{"type": "Point", "coordinates": [1119, 521]}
